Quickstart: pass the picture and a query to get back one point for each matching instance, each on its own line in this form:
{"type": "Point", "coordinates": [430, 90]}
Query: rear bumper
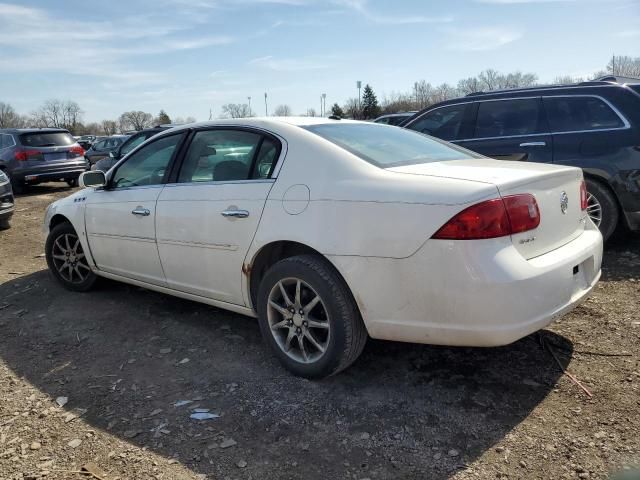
{"type": "Point", "coordinates": [476, 293]}
{"type": "Point", "coordinates": [48, 173]}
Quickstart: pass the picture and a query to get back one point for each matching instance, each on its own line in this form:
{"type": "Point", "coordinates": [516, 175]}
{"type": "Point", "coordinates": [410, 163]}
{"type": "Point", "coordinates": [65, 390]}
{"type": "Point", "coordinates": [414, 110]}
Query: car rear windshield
{"type": "Point", "coordinates": [387, 147]}
{"type": "Point", "coordinates": [47, 139]}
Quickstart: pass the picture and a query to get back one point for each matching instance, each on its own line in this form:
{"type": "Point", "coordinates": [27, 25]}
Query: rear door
{"type": "Point", "coordinates": [511, 129]}
{"type": "Point", "coordinates": [206, 221]}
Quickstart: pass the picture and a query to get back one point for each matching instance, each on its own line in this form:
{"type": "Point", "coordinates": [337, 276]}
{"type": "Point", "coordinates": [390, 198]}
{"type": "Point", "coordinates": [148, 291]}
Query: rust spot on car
{"type": "Point", "coordinates": [246, 269]}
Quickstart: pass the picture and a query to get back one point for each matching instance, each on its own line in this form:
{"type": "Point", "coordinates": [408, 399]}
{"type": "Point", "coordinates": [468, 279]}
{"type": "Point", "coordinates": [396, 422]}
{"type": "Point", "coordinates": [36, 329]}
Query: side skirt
{"type": "Point", "coordinates": [187, 296]}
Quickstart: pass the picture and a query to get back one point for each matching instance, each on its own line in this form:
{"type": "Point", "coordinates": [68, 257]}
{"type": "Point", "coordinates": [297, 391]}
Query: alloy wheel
{"type": "Point", "coordinates": [298, 320]}
{"type": "Point", "coordinates": [69, 259]}
{"type": "Point", "coordinates": [594, 209]}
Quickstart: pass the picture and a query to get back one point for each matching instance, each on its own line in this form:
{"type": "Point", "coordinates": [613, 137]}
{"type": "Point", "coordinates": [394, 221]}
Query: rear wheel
{"type": "Point", "coordinates": [602, 207]}
{"type": "Point", "coordinates": [72, 182]}
{"type": "Point", "coordinates": [309, 318]}
{"type": "Point", "coordinates": [17, 186]}
{"type": "Point", "coordinates": [5, 224]}
{"type": "Point", "coordinates": [66, 259]}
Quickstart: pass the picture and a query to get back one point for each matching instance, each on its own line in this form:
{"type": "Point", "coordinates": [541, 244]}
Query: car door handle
{"type": "Point", "coordinates": [143, 212]}
{"type": "Point", "coordinates": [534, 144]}
{"type": "Point", "coordinates": [235, 213]}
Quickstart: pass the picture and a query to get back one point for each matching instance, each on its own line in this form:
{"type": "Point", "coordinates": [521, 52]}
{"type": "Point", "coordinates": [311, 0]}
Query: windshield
{"type": "Point", "coordinates": [387, 147]}
{"type": "Point", "coordinates": [47, 139]}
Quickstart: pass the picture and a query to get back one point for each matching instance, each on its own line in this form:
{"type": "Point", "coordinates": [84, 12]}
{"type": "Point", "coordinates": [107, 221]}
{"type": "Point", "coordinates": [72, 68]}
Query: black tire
{"type": "Point", "coordinates": [63, 232]}
{"type": "Point", "coordinates": [5, 224]}
{"type": "Point", "coordinates": [348, 334]}
{"type": "Point", "coordinates": [609, 212]}
{"type": "Point", "coordinates": [17, 186]}
{"type": "Point", "coordinates": [72, 182]}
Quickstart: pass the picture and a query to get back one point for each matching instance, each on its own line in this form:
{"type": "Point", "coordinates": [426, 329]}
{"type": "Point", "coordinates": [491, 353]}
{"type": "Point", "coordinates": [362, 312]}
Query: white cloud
{"type": "Point", "coordinates": [481, 39]}
{"type": "Point", "coordinates": [628, 34]}
{"type": "Point", "coordinates": [362, 8]}
{"type": "Point", "coordinates": [290, 64]}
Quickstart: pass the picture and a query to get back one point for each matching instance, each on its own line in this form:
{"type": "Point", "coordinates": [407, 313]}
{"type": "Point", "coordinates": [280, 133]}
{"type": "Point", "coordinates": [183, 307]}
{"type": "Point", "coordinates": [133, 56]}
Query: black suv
{"type": "Point", "coordinates": [125, 147]}
{"type": "Point", "coordinates": [34, 155]}
{"type": "Point", "coordinates": [592, 125]}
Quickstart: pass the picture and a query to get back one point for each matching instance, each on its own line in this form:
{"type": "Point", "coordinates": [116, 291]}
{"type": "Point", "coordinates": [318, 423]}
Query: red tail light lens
{"type": "Point", "coordinates": [583, 196]}
{"type": "Point", "coordinates": [24, 155]}
{"type": "Point", "coordinates": [76, 151]}
{"type": "Point", "coordinates": [494, 218]}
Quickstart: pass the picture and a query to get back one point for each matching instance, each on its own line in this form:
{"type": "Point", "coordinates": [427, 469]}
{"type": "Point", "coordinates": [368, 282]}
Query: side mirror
{"type": "Point", "coordinates": [92, 178]}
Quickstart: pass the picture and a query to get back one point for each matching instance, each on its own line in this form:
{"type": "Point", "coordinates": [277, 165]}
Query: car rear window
{"type": "Point", "coordinates": [47, 139]}
{"type": "Point", "coordinates": [570, 114]}
{"type": "Point", "coordinates": [387, 147]}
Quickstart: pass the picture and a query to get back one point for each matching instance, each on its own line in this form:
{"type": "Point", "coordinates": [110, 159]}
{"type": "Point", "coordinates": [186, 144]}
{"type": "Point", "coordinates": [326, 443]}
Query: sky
{"type": "Point", "coordinates": [192, 56]}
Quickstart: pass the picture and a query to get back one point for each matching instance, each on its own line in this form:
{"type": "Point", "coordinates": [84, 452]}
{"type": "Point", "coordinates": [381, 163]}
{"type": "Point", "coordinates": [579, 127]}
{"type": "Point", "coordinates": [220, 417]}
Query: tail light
{"type": "Point", "coordinates": [24, 155]}
{"type": "Point", "coordinates": [76, 151]}
{"type": "Point", "coordinates": [494, 218]}
{"type": "Point", "coordinates": [583, 196]}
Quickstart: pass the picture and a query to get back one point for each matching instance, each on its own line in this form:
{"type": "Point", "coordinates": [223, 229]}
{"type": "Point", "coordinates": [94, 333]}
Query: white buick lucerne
{"type": "Point", "coordinates": [331, 231]}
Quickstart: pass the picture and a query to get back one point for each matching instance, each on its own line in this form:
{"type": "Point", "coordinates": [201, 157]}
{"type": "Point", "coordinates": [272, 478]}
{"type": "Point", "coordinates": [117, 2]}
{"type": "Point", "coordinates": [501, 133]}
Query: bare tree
{"type": "Point", "coordinates": [423, 93]}
{"type": "Point", "coordinates": [624, 66]}
{"type": "Point", "coordinates": [58, 114]}
{"type": "Point", "coordinates": [282, 111]}
{"type": "Point", "coordinates": [469, 85]}
{"type": "Point", "coordinates": [135, 120]}
{"type": "Point", "coordinates": [109, 127]}
{"type": "Point", "coordinates": [9, 118]}
{"type": "Point", "coordinates": [184, 119]}
{"type": "Point", "coordinates": [351, 109]}
{"type": "Point", "coordinates": [311, 112]}
{"type": "Point", "coordinates": [235, 110]}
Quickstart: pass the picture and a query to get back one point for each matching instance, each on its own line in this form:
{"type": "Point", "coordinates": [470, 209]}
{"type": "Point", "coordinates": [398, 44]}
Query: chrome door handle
{"type": "Point", "coordinates": [534, 144]}
{"type": "Point", "coordinates": [235, 213]}
{"type": "Point", "coordinates": [143, 212]}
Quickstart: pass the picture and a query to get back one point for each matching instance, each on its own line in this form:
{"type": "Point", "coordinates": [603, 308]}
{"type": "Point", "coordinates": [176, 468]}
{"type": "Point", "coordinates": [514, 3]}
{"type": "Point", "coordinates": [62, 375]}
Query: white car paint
{"type": "Point", "coordinates": [374, 225]}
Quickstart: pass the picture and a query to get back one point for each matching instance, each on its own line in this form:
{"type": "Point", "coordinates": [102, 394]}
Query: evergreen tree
{"type": "Point", "coordinates": [336, 111]}
{"type": "Point", "coordinates": [163, 118]}
{"type": "Point", "coordinates": [370, 107]}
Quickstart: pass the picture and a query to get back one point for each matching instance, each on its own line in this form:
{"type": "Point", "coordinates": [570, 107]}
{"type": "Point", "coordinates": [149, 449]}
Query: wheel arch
{"type": "Point", "coordinates": [57, 219]}
{"type": "Point", "coordinates": [272, 253]}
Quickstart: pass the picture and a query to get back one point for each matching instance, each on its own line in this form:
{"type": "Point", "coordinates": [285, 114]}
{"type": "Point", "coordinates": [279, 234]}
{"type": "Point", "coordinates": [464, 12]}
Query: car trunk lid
{"type": "Point", "coordinates": [556, 190]}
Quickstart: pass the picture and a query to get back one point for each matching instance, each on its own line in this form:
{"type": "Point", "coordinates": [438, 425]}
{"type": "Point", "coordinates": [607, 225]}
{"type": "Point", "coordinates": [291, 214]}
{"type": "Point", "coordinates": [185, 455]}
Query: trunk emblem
{"type": "Point", "coordinates": [564, 202]}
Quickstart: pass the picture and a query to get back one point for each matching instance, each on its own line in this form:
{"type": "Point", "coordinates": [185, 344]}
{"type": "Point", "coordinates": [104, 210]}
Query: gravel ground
{"type": "Point", "coordinates": [92, 381]}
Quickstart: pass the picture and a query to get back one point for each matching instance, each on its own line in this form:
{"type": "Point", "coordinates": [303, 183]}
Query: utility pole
{"type": "Point", "coordinates": [415, 85]}
{"type": "Point", "coordinates": [210, 114]}
{"type": "Point", "coordinates": [359, 85]}
{"type": "Point", "coordinates": [266, 111]}
{"type": "Point", "coordinates": [323, 102]}
{"type": "Point", "coordinates": [249, 98]}
{"type": "Point", "coordinates": [613, 64]}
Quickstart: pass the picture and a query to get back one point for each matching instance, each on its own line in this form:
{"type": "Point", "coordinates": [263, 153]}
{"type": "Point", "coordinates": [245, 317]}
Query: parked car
{"type": "Point", "coordinates": [329, 231]}
{"type": "Point", "coordinates": [394, 118]}
{"type": "Point", "coordinates": [127, 146]}
{"type": "Point", "coordinates": [103, 147]}
{"type": "Point", "coordinates": [33, 155]}
{"type": "Point", "coordinates": [591, 125]}
{"type": "Point", "coordinates": [6, 201]}
{"type": "Point", "coordinates": [86, 141]}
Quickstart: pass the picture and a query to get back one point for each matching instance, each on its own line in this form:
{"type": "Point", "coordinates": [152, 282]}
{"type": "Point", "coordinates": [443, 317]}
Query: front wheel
{"type": "Point", "coordinates": [309, 318]}
{"type": "Point", "coordinates": [66, 259]}
{"type": "Point", "coordinates": [72, 182]}
{"type": "Point", "coordinates": [602, 208]}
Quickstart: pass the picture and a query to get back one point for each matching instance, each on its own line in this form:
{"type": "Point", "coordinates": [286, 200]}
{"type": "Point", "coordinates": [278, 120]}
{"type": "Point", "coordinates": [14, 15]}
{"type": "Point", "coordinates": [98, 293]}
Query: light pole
{"type": "Point", "coordinates": [249, 98]}
{"type": "Point", "coordinates": [266, 111]}
{"type": "Point", "coordinates": [323, 103]}
{"type": "Point", "coordinates": [359, 85]}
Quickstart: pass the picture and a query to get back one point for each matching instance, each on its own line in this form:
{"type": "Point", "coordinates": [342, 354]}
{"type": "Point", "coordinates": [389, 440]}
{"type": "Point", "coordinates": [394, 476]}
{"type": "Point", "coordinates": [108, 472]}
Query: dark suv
{"type": "Point", "coordinates": [592, 125]}
{"type": "Point", "coordinates": [128, 145]}
{"type": "Point", "coordinates": [33, 155]}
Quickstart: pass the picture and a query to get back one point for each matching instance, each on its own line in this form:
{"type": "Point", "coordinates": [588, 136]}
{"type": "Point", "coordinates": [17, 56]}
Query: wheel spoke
{"type": "Point", "coordinates": [59, 257]}
{"type": "Point", "coordinates": [82, 265]}
{"type": "Point", "coordinates": [284, 294]}
{"type": "Point", "coordinates": [287, 345]}
{"type": "Point", "coordinates": [60, 247]}
{"type": "Point", "coordinates": [305, 355]}
{"type": "Point", "coordinates": [298, 288]}
{"type": "Point", "coordinates": [75, 246]}
{"type": "Point", "coordinates": [316, 324]}
{"type": "Point", "coordinates": [66, 239]}
{"type": "Point", "coordinates": [310, 306]}
{"type": "Point", "coordinates": [79, 255]}
{"type": "Point", "coordinates": [282, 324]}
{"type": "Point", "coordinates": [283, 311]}
{"type": "Point", "coordinates": [70, 267]}
{"type": "Point", "coordinates": [313, 341]}
{"type": "Point", "coordinates": [77, 270]}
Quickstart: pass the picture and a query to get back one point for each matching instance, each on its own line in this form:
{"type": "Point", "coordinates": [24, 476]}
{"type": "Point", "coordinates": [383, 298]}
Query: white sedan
{"type": "Point", "coordinates": [333, 231]}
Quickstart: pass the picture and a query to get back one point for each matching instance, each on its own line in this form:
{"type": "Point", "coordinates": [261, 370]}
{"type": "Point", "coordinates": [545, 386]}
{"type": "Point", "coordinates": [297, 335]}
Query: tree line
{"type": "Point", "coordinates": [67, 114]}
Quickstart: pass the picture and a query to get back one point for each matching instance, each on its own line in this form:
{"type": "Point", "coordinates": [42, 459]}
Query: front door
{"type": "Point", "coordinates": [206, 221]}
{"type": "Point", "coordinates": [120, 219]}
{"type": "Point", "coordinates": [511, 129]}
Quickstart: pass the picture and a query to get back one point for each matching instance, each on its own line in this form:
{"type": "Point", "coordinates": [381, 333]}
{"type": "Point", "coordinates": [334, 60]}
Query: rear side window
{"type": "Point", "coordinates": [570, 114]}
{"type": "Point", "coordinates": [508, 118]}
{"type": "Point", "coordinates": [47, 139]}
{"type": "Point", "coordinates": [6, 141]}
{"type": "Point", "coordinates": [443, 122]}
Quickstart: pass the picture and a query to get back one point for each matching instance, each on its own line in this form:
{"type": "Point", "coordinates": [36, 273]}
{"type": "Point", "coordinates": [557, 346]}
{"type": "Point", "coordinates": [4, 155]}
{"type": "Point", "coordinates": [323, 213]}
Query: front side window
{"type": "Point", "coordinates": [508, 118]}
{"type": "Point", "coordinates": [228, 155]}
{"type": "Point", "coordinates": [571, 114]}
{"type": "Point", "coordinates": [385, 146]}
{"type": "Point", "coordinates": [147, 166]}
{"type": "Point", "coordinates": [443, 122]}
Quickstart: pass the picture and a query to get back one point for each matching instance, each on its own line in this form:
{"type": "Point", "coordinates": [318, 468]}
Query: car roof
{"type": "Point", "coordinates": [33, 130]}
{"type": "Point", "coordinates": [264, 122]}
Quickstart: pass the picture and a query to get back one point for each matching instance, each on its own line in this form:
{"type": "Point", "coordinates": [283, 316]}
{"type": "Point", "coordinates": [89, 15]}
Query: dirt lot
{"type": "Point", "coordinates": [123, 357]}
